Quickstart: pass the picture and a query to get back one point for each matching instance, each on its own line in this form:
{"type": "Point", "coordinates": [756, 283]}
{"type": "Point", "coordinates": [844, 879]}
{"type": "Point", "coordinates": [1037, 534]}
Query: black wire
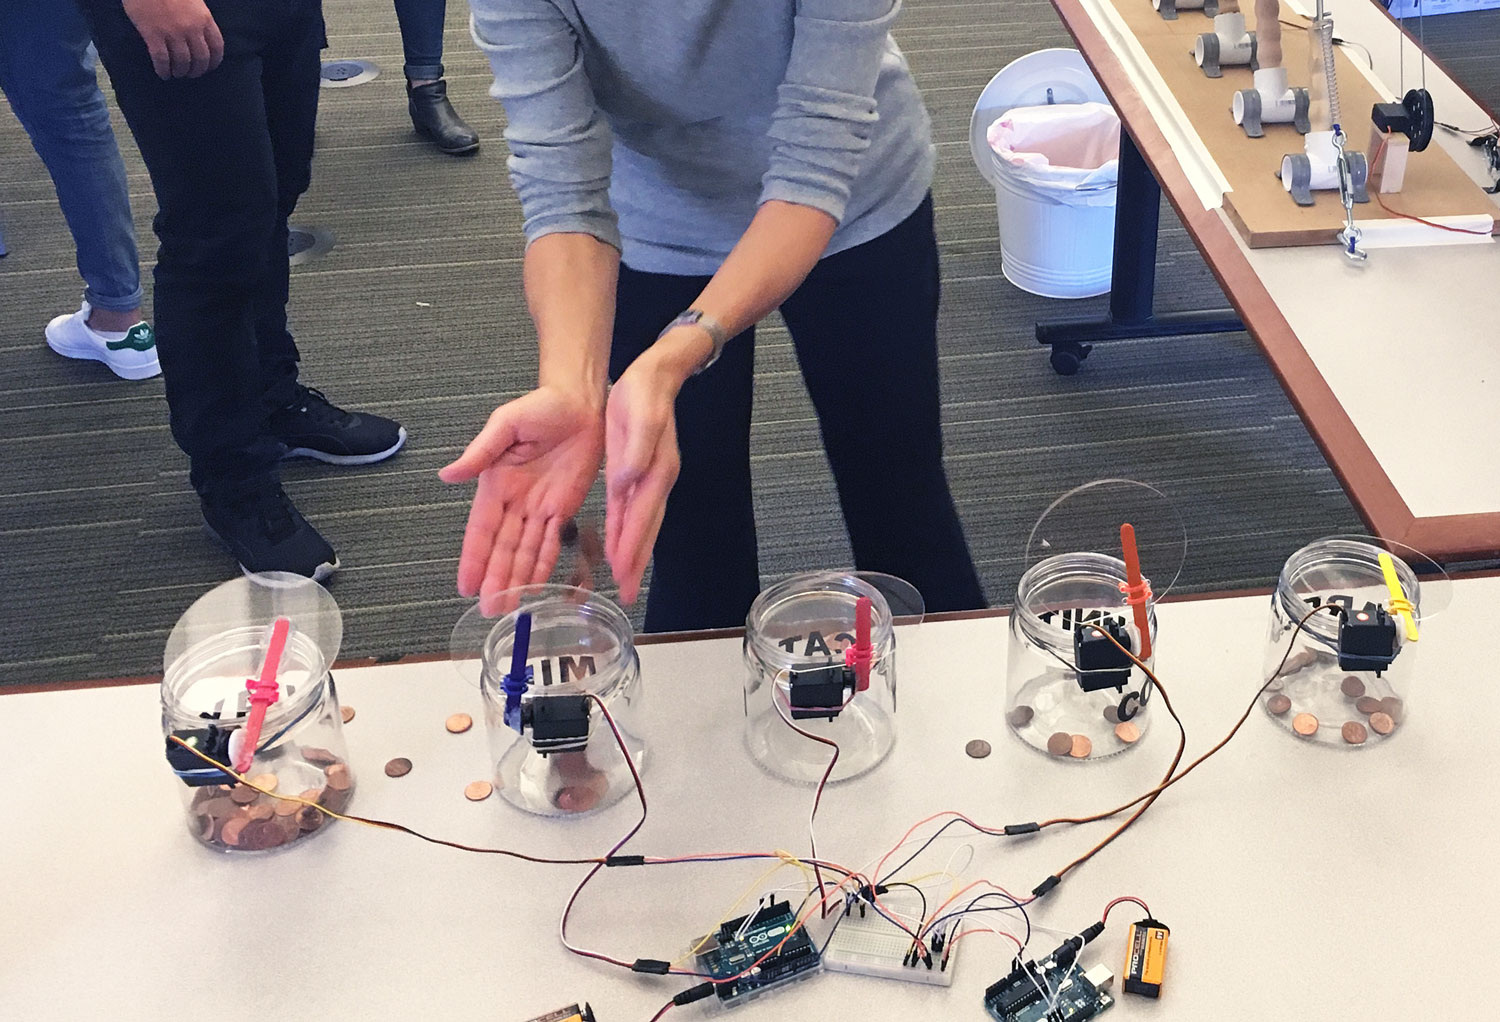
{"type": "Point", "coordinates": [1014, 906]}
{"type": "Point", "coordinates": [920, 893]}
{"type": "Point", "coordinates": [935, 835]}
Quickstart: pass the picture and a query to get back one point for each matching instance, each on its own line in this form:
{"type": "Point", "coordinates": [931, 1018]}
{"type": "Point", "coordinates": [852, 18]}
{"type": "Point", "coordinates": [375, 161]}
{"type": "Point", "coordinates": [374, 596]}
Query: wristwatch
{"type": "Point", "coordinates": [709, 325]}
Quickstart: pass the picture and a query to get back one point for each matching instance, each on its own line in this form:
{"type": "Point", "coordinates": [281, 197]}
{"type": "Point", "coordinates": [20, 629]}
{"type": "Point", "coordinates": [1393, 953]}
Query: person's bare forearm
{"type": "Point", "coordinates": [570, 289]}
{"type": "Point", "coordinates": [775, 254]}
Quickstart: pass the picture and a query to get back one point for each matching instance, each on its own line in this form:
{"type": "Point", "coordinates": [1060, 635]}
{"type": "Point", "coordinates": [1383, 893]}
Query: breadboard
{"type": "Point", "coordinates": [1257, 203]}
{"type": "Point", "coordinates": [872, 946]}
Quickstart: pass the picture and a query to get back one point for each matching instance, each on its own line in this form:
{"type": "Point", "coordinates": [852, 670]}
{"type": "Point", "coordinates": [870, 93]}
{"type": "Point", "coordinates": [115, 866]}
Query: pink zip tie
{"type": "Point", "coordinates": [263, 692]}
{"type": "Point", "coordinates": [860, 655]}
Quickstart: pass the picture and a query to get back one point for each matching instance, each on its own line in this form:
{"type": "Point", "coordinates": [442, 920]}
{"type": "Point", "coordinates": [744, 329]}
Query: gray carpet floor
{"type": "Point", "coordinates": [417, 313]}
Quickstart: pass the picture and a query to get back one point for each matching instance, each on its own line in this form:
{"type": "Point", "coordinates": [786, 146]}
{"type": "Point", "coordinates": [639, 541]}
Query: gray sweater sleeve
{"type": "Point", "coordinates": [825, 109]}
{"type": "Point", "coordinates": [559, 142]}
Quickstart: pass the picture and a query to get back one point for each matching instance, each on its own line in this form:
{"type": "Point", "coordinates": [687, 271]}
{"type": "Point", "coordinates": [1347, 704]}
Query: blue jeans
{"type": "Point", "coordinates": [47, 73]}
{"type": "Point", "coordinates": [421, 37]}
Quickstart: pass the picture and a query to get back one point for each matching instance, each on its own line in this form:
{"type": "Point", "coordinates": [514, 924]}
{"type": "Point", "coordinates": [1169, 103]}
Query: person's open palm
{"type": "Point", "coordinates": [535, 460]}
{"type": "Point", "coordinates": [642, 464]}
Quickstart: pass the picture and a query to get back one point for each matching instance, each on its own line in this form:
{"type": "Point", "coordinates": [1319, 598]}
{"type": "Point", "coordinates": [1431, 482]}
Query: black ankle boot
{"type": "Point", "coordinates": [436, 120]}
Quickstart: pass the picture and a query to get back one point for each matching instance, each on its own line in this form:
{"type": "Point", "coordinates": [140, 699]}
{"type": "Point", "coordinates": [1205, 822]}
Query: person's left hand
{"type": "Point", "coordinates": [640, 465]}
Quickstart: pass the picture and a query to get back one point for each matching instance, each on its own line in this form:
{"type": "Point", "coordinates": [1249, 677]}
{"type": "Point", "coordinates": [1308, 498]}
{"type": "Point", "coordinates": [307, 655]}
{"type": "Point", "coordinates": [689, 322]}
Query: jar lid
{"type": "Point", "coordinates": [1089, 520]}
{"type": "Point", "coordinates": [254, 602]}
{"type": "Point", "coordinates": [810, 618]}
{"type": "Point", "coordinates": [1346, 571]}
{"type": "Point", "coordinates": [577, 638]}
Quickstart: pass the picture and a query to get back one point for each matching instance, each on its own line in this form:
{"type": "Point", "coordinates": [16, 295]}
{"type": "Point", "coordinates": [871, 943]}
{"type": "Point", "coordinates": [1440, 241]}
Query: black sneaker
{"type": "Point", "coordinates": [314, 427]}
{"type": "Point", "coordinates": [265, 532]}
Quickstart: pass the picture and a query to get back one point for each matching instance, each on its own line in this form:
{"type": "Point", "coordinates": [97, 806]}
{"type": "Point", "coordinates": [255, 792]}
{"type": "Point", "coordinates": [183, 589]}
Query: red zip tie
{"type": "Point", "coordinates": [1136, 588]}
{"type": "Point", "coordinates": [860, 655]}
{"type": "Point", "coordinates": [263, 692]}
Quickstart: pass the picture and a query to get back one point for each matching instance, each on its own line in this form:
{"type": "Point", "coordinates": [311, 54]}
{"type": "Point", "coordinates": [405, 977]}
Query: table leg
{"type": "Point", "coordinates": [1137, 205]}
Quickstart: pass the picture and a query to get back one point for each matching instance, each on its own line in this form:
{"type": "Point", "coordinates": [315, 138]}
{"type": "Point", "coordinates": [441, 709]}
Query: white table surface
{"type": "Point", "coordinates": [1399, 340]}
{"type": "Point", "coordinates": [1299, 882]}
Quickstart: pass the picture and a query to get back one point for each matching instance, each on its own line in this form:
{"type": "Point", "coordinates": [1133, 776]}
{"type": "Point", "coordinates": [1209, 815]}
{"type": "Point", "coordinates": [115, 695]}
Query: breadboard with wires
{"type": "Point", "coordinates": [871, 945]}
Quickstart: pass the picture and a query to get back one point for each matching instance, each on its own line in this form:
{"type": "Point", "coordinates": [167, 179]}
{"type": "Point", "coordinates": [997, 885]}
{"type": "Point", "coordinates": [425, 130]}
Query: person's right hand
{"type": "Point", "coordinates": [181, 36]}
{"type": "Point", "coordinates": [535, 460]}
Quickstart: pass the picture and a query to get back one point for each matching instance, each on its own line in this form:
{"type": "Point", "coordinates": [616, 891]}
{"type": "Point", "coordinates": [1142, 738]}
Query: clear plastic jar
{"type": "Point", "coordinates": [1312, 697]}
{"type": "Point", "coordinates": [217, 645]}
{"type": "Point", "coordinates": [580, 643]}
{"type": "Point", "coordinates": [808, 621]}
{"type": "Point", "coordinates": [1052, 705]}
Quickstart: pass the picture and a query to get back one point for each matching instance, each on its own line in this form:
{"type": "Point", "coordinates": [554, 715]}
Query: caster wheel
{"type": "Point", "coordinates": [1066, 359]}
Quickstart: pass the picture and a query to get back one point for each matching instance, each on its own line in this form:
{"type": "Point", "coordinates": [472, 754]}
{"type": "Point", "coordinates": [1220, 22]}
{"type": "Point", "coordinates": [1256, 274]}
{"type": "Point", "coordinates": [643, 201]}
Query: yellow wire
{"type": "Point", "coordinates": [275, 794]}
{"type": "Point", "coordinates": [787, 859]}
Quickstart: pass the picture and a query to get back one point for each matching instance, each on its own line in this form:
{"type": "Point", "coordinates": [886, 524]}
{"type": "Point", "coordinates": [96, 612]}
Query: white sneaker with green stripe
{"type": "Point", "coordinates": [130, 355]}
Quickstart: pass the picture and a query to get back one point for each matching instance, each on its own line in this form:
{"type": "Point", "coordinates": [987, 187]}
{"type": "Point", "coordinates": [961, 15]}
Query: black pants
{"type": "Point", "coordinates": [229, 154]}
{"type": "Point", "coordinates": [865, 328]}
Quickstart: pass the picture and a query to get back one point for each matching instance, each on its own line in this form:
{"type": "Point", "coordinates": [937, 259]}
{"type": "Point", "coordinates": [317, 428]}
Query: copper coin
{"type": "Point", "coordinates": [347, 712]}
{"type": "Point", "coordinates": [260, 811]}
{"type": "Point", "coordinates": [1305, 724]}
{"type": "Point", "coordinates": [338, 777]}
{"type": "Point", "coordinates": [231, 831]}
{"type": "Point", "coordinates": [1060, 744]}
{"type": "Point", "coordinates": [459, 723]}
{"type": "Point", "coordinates": [243, 794]}
{"type": "Point", "coordinates": [1112, 713]}
{"type": "Point", "coordinates": [478, 791]}
{"type": "Point", "coordinates": [334, 798]}
{"type": "Point", "coordinates": [311, 795]}
{"type": "Point", "coordinates": [203, 826]}
{"type": "Point", "coordinates": [318, 757]}
{"type": "Point", "coordinates": [1367, 704]}
{"type": "Point", "coordinates": [260, 835]}
{"type": "Point", "coordinates": [398, 767]}
{"type": "Point", "coordinates": [1354, 732]}
{"type": "Point", "coordinates": [576, 798]}
{"type": "Point", "coordinates": [1080, 747]}
{"type": "Point", "coordinates": [1020, 716]}
{"type": "Point", "coordinates": [1278, 704]}
{"type": "Point", "coordinates": [266, 782]}
{"type": "Point", "coordinates": [286, 807]}
{"type": "Point", "coordinates": [1127, 732]}
{"type": "Point", "coordinates": [977, 749]}
{"type": "Point", "coordinates": [220, 808]}
{"type": "Point", "coordinates": [1297, 661]}
{"type": "Point", "coordinates": [1392, 708]}
{"type": "Point", "coordinates": [309, 819]}
{"type": "Point", "coordinates": [1381, 723]}
{"type": "Point", "coordinates": [1352, 687]}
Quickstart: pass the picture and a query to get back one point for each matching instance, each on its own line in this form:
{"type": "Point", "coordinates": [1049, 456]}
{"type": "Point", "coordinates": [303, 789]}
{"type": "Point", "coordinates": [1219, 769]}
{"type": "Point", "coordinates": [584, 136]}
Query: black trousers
{"type": "Point", "coordinates": [864, 324]}
{"type": "Point", "coordinates": [229, 154]}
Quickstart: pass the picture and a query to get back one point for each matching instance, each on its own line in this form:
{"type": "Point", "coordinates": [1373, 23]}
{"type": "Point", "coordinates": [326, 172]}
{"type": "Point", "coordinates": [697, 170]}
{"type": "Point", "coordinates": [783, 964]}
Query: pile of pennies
{"type": "Point", "coordinates": [240, 818]}
{"type": "Point", "coordinates": [1074, 746]}
{"type": "Point", "coordinates": [1380, 715]}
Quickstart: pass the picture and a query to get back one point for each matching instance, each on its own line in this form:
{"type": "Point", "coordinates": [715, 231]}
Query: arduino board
{"type": "Point", "coordinates": [767, 947]}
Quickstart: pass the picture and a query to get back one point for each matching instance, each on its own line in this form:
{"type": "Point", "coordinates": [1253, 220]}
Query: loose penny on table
{"type": "Point", "coordinates": [478, 791]}
{"type": "Point", "coordinates": [1367, 705]}
{"type": "Point", "coordinates": [1079, 747]}
{"type": "Point", "coordinates": [398, 767]}
{"type": "Point", "coordinates": [1060, 744]}
{"type": "Point", "coordinates": [1352, 687]}
{"type": "Point", "coordinates": [1305, 724]}
{"type": "Point", "coordinates": [458, 723]}
{"type": "Point", "coordinates": [1128, 732]}
{"type": "Point", "coordinates": [1354, 732]}
{"type": "Point", "coordinates": [977, 749]}
{"type": "Point", "coordinates": [346, 712]}
{"type": "Point", "coordinates": [1381, 723]}
{"type": "Point", "coordinates": [1278, 704]}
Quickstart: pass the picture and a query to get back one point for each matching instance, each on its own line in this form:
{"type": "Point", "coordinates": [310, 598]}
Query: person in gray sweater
{"type": "Point", "coordinates": [684, 167]}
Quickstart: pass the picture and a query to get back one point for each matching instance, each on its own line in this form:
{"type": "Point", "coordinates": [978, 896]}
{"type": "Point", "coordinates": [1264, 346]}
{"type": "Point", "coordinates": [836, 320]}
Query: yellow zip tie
{"type": "Point", "coordinates": [1400, 605]}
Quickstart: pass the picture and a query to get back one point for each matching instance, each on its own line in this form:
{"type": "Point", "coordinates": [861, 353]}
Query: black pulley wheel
{"type": "Point", "coordinates": [1418, 103]}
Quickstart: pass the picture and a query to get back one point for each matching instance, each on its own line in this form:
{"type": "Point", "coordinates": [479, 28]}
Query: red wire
{"type": "Point", "coordinates": [1104, 917]}
{"type": "Point", "coordinates": [1407, 216]}
{"type": "Point", "coordinates": [664, 1009]}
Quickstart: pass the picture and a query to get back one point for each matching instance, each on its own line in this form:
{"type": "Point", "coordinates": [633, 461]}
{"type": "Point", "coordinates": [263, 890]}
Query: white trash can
{"type": "Point", "coordinates": [1045, 138]}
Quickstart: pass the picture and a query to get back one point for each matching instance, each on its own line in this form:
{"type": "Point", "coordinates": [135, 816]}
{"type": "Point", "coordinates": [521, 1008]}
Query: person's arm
{"type": "Point", "coordinates": [820, 129]}
{"type": "Point", "coordinates": [538, 455]}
